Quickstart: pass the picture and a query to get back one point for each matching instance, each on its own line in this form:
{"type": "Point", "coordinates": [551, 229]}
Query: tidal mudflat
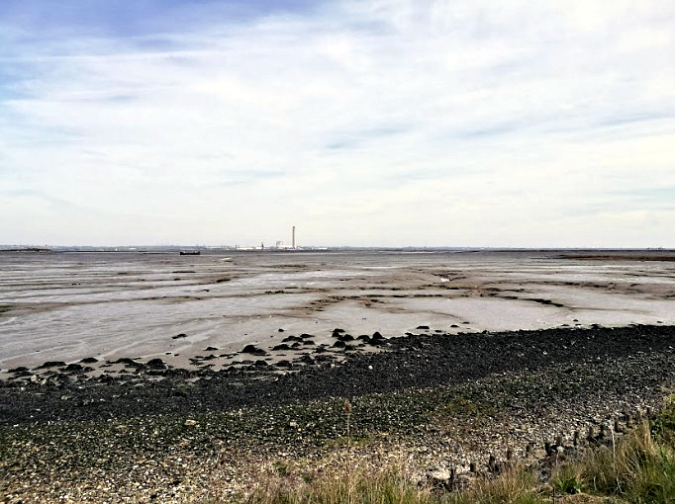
{"type": "Point", "coordinates": [158, 377]}
{"type": "Point", "coordinates": [71, 306]}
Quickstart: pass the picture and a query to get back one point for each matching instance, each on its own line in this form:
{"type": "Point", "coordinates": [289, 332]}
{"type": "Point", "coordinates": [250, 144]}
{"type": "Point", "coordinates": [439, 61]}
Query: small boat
{"type": "Point", "coordinates": [190, 252]}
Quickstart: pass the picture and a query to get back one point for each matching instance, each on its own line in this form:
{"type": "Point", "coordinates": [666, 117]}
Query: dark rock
{"type": "Point", "coordinates": [423, 327]}
{"type": "Point", "coordinates": [283, 346]}
{"type": "Point", "coordinates": [89, 360]}
{"type": "Point", "coordinates": [305, 336]}
{"type": "Point", "coordinates": [179, 336]}
{"type": "Point", "coordinates": [377, 336]}
{"type": "Point", "coordinates": [339, 344]}
{"type": "Point", "coordinates": [129, 363]}
{"type": "Point", "coordinates": [179, 373]}
{"type": "Point", "coordinates": [306, 359]}
{"type": "Point", "coordinates": [51, 364]}
{"type": "Point", "coordinates": [73, 368]}
{"type": "Point", "coordinates": [253, 350]}
{"type": "Point", "coordinates": [211, 349]}
{"type": "Point", "coordinates": [156, 364]}
{"type": "Point", "coordinates": [22, 372]}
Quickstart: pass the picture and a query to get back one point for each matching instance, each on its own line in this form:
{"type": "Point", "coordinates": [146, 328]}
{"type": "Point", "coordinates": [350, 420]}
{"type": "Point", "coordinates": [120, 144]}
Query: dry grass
{"type": "Point", "coordinates": [517, 485]}
{"type": "Point", "coordinates": [347, 475]}
{"type": "Point", "coordinates": [639, 468]}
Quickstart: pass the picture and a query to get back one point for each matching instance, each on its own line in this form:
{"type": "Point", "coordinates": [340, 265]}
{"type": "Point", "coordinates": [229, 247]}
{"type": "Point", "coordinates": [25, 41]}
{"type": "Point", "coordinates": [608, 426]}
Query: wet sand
{"type": "Point", "coordinates": [70, 306]}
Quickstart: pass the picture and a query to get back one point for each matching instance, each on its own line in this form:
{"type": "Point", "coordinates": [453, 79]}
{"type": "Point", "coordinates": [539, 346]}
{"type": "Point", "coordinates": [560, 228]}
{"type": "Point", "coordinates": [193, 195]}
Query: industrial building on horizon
{"type": "Point", "coordinates": [279, 244]}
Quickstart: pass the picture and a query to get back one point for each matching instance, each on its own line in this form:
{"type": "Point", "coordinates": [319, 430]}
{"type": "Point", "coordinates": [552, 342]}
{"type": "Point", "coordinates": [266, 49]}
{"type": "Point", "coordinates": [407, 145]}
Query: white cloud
{"type": "Point", "coordinates": [385, 122]}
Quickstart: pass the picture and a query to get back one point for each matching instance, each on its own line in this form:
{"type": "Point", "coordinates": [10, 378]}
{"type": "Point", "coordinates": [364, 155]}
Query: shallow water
{"type": "Point", "coordinates": [67, 306]}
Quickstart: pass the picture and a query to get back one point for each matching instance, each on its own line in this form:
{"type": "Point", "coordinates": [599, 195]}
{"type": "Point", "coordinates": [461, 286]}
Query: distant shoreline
{"type": "Point", "coordinates": [607, 252]}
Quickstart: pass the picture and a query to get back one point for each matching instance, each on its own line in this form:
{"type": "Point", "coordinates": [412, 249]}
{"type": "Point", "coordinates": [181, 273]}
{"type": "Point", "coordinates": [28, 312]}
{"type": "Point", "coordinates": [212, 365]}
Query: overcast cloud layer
{"type": "Point", "coordinates": [381, 123]}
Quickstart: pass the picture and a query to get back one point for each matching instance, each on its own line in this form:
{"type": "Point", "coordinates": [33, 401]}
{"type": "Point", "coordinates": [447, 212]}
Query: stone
{"type": "Point", "coordinates": [51, 364]}
{"type": "Point", "coordinates": [156, 364]}
{"type": "Point", "coordinates": [254, 350]}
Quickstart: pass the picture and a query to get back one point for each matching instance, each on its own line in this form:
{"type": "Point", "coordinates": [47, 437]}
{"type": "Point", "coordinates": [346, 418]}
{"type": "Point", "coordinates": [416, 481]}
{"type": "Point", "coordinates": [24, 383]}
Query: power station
{"type": "Point", "coordinates": [279, 245]}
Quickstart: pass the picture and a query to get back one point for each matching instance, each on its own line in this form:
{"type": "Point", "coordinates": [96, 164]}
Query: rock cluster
{"type": "Point", "coordinates": [632, 357]}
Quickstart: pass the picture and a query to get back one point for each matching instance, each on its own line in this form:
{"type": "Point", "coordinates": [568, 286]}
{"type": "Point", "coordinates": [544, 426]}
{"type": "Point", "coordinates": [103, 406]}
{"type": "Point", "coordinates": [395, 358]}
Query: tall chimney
{"type": "Point", "coordinates": [294, 237]}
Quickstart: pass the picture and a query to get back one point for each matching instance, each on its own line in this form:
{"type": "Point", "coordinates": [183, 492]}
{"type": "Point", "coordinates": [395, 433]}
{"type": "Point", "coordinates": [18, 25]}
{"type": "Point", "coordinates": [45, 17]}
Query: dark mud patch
{"type": "Point", "coordinates": [545, 302]}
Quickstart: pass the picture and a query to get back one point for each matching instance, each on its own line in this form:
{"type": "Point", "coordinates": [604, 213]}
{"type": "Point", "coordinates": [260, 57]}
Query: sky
{"type": "Point", "coordinates": [468, 123]}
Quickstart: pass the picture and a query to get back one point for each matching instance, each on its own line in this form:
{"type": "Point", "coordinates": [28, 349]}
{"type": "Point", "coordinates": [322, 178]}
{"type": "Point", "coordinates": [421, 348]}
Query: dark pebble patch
{"type": "Point", "coordinates": [637, 358]}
